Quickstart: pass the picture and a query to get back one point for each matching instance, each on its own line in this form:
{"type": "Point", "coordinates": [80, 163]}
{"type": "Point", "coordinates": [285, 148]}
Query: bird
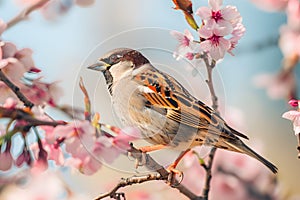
{"type": "Point", "coordinates": [167, 115]}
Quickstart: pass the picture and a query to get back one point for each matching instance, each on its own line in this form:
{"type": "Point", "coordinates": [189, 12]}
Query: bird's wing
{"type": "Point", "coordinates": [164, 92]}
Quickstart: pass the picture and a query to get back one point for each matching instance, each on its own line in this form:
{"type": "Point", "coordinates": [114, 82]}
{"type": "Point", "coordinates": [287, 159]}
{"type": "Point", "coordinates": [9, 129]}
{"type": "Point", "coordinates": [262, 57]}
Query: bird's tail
{"type": "Point", "coordinates": [240, 147]}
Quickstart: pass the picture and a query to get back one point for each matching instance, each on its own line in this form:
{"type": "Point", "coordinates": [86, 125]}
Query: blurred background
{"type": "Point", "coordinates": [63, 47]}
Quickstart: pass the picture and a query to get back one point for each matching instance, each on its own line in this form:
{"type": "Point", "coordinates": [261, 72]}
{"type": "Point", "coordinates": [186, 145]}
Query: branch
{"type": "Point", "coordinates": [19, 114]}
{"type": "Point", "coordinates": [151, 164]}
{"type": "Point", "coordinates": [209, 81]}
{"type": "Point", "coordinates": [16, 90]}
{"type": "Point", "coordinates": [214, 98]}
{"type": "Point", "coordinates": [24, 13]}
{"type": "Point", "coordinates": [129, 181]}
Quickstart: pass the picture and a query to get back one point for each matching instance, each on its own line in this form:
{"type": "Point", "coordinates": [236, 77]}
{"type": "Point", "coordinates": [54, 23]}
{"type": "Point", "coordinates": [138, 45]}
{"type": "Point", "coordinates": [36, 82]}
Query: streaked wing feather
{"type": "Point", "coordinates": [165, 92]}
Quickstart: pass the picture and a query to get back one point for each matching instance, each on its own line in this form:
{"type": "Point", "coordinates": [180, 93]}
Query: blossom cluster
{"type": "Point", "coordinates": [283, 84]}
{"type": "Point", "coordinates": [235, 176]}
{"type": "Point", "coordinates": [77, 144]}
{"type": "Point", "coordinates": [219, 33]}
{"type": "Point", "coordinates": [55, 8]}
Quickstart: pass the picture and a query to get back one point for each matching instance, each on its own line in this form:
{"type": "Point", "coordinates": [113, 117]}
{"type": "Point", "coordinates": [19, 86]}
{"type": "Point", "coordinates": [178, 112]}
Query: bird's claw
{"type": "Point", "coordinates": [173, 173]}
{"type": "Point", "coordinates": [138, 161]}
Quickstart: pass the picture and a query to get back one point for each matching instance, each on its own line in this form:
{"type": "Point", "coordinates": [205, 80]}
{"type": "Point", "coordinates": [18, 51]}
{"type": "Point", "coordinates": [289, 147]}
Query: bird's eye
{"type": "Point", "coordinates": [115, 58]}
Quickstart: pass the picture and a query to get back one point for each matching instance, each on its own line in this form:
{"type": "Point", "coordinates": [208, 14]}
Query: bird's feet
{"type": "Point", "coordinates": [173, 173]}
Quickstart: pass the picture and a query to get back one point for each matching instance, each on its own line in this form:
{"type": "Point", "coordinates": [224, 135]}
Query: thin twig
{"type": "Point", "coordinates": [19, 114]}
{"type": "Point", "coordinates": [24, 13]}
{"type": "Point", "coordinates": [16, 90]}
{"type": "Point", "coordinates": [209, 81]}
{"type": "Point", "coordinates": [208, 176]}
{"type": "Point", "coordinates": [215, 105]}
{"type": "Point", "coordinates": [130, 181]}
{"type": "Point", "coordinates": [152, 165]}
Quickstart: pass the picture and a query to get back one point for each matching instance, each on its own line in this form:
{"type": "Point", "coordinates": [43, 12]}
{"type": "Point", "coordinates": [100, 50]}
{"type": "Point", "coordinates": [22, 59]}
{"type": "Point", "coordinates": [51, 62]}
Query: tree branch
{"type": "Point", "coordinates": [151, 164]}
{"type": "Point", "coordinates": [16, 90]}
{"type": "Point", "coordinates": [215, 106]}
{"type": "Point", "coordinates": [24, 13]}
{"type": "Point", "coordinates": [19, 114]}
{"type": "Point", "coordinates": [130, 181]}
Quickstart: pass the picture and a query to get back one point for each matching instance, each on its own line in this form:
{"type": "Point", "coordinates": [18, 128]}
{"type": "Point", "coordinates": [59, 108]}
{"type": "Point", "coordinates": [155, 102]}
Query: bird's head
{"type": "Point", "coordinates": [119, 63]}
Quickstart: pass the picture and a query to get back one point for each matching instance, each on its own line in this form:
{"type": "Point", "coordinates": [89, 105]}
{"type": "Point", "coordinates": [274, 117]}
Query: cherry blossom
{"type": "Point", "coordinates": [6, 159]}
{"type": "Point", "coordinates": [224, 17]}
{"type": "Point", "coordinates": [288, 42]}
{"type": "Point", "coordinates": [271, 5]}
{"type": "Point", "coordinates": [294, 102]}
{"type": "Point", "coordinates": [189, 55]}
{"type": "Point", "coordinates": [40, 92]}
{"type": "Point", "coordinates": [9, 64]}
{"type": "Point", "coordinates": [215, 43]}
{"type": "Point", "coordinates": [185, 45]}
{"type": "Point", "coordinates": [278, 86]}
{"type": "Point", "coordinates": [15, 64]}
{"type": "Point", "coordinates": [294, 116]}
{"type": "Point", "coordinates": [87, 150]}
{"type": "Point", "coordinates": [237, 33]}
{"type": "Point", "coordinates": [235, 176]}
{"type": "Point", "coordinates": [44, 186]}
{"type": "Point", "coordinates": [55, 8]}
{"type": "Point", "coordinates": [293, 14]}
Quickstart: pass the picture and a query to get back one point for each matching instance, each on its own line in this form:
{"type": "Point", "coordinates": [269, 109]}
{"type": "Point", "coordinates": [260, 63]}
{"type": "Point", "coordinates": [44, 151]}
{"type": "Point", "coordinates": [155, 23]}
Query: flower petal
{"type": "Point", "coordinates": [223, 28]}
{"type": "Point", "coordinates": [206, 45]}
{"type": "Point", "coordinates": [204, 13]}
{"type": "Point", "coordinates": [230, 13]}
{"type": "Point", "coordinates": [205, 32]}
{"type": "Point", "coordinates": [215, 4]}
{"type": "Point", "coordinates": [291, 115]}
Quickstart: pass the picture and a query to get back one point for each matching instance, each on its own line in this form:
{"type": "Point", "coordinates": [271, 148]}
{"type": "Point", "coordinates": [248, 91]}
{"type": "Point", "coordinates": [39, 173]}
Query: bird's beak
{"type": "Point", "coordinates": [99, 66]}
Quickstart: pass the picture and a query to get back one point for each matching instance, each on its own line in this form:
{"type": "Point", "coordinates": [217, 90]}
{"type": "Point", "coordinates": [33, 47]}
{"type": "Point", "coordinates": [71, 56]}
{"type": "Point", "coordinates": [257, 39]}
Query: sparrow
{"type": "Point", "coordinates": [167, 115]}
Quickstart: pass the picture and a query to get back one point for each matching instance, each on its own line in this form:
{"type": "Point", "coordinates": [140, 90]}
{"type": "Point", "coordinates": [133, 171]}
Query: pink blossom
{"type": "Point", "coordinates": [237, 33]}
{"type": "Point", "coordinates": [190, 55]}
{"type": "Point", "coordinates": [23, 158]}
{"type": "Point", "coordinates": [185, 43]}
{"type": "Point", "coordinates": [278, 86]}
{"type": "Point", "coordinates": [271, 5]}
{"type": "Point", "coordinates": [45, 186]}
{"type": "Point", "coordinates": [88, 165]}
{"type": "Point", "coordinates": [235, 176]}
{"type": "Point", "coordinates": [86, 149]}
{"type": "Point", "coordinates": [55, 8]}
{"type": "Point", "coordinates": [10, 103]}
{"type": "Point", "coordinates": [215, 44]}
{"type": "Point", "coordinates": [227, 188]}
{"type": "Point", "coordinates": [54, 153]}
{"type": "Point", "coordinates": [224, 17]}
{"type": "Point", "coordinates": [42, 93]}
{"type": "Point", "coordinates": [14, 63]}
{"type": "Point", "coordinates": [288, 42]}
{"type": "Point", "coordinates": [293, 14]}
{"type": "Point", "coordinates": [6, 159]}
{"type": "Point", "coordinates": [193, 169]}
{"type": "Point", "coordinates": [294, 116]}
{"type": "Point", "coordinates": [294, 102]}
